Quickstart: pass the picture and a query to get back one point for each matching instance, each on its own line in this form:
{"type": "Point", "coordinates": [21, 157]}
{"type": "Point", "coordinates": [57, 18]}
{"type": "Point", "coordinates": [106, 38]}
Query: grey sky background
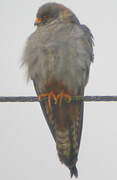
{"type": "Point", "coordinates": [27, 149]}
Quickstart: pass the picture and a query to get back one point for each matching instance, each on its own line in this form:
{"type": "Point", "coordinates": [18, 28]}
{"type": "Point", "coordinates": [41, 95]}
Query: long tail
{"type": "Point", "coordinates": [68, 134]}
{"type": "Point", "coordinates": [65, 124]}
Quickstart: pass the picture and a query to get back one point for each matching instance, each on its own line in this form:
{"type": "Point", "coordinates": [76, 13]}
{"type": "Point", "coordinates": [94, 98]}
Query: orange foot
{"type": "Point", "coordinates": [50, 96]}
{"type": "Point", "coordinates": [61, 95]}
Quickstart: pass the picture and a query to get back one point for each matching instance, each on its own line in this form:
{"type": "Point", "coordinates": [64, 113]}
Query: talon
{"type": "Point", "coordinates": [50, 96]}
{"type": "Point", "coordinates": [62, 95]}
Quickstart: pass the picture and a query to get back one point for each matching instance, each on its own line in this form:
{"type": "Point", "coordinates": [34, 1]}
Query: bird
{"type": "Point", "coordinates": [58, 55]}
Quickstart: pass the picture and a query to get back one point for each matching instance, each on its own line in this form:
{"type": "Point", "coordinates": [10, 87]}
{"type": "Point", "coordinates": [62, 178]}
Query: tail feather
{"type": "Point", "coordinates": [68, 134]}
{"type": "Point", "coordinates": [74, 171]}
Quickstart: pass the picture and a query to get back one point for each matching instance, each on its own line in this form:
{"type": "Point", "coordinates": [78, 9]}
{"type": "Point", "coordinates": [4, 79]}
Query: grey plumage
{"type": "Point", "coordinates": [67, 45]}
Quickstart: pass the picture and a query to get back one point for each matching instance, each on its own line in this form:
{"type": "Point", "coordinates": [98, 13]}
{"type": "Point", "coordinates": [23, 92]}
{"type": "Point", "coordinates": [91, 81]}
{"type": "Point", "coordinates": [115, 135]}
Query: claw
{"type": "Point", "coordinates": [59, 97]}
{"type": "Point", "coordinates": [62, 95]}
{"type": "Point", "coordinates": [50, 96]}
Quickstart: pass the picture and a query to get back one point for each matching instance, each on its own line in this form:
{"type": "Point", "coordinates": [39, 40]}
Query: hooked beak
{"type": "Point", "coordinates": [37, 21]}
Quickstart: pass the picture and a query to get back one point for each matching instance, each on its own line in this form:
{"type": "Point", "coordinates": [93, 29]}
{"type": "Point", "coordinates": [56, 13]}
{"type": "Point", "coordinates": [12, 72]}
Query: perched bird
{"type": "Point", "coordinates": [58, 57]}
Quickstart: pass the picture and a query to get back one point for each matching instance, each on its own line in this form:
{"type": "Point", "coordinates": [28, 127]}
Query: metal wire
{"type": "Point", "coordinates": [74, 98]}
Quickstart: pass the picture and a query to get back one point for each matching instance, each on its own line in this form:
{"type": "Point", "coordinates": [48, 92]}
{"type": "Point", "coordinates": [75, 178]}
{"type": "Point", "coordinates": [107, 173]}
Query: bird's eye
{"type": "Point", "coordinates": [46, 17]}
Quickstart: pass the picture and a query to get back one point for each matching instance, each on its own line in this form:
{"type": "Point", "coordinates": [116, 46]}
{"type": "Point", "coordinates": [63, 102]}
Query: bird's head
{"type": "Point", "coordinates": [52, 11]}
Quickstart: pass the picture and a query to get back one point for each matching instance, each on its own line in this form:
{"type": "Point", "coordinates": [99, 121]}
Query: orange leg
{"type": "Point", "coordinates": [62, 95]}
{"type": "Point", "coordinates": [49, 95]}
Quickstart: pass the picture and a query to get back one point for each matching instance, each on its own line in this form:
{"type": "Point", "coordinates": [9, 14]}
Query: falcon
{"type": "Point", "coordinates": [58, 57]}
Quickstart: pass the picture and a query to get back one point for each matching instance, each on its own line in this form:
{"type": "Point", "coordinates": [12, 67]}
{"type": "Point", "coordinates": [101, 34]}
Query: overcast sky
{"type": "Point", "coordinates": [27, 149]}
